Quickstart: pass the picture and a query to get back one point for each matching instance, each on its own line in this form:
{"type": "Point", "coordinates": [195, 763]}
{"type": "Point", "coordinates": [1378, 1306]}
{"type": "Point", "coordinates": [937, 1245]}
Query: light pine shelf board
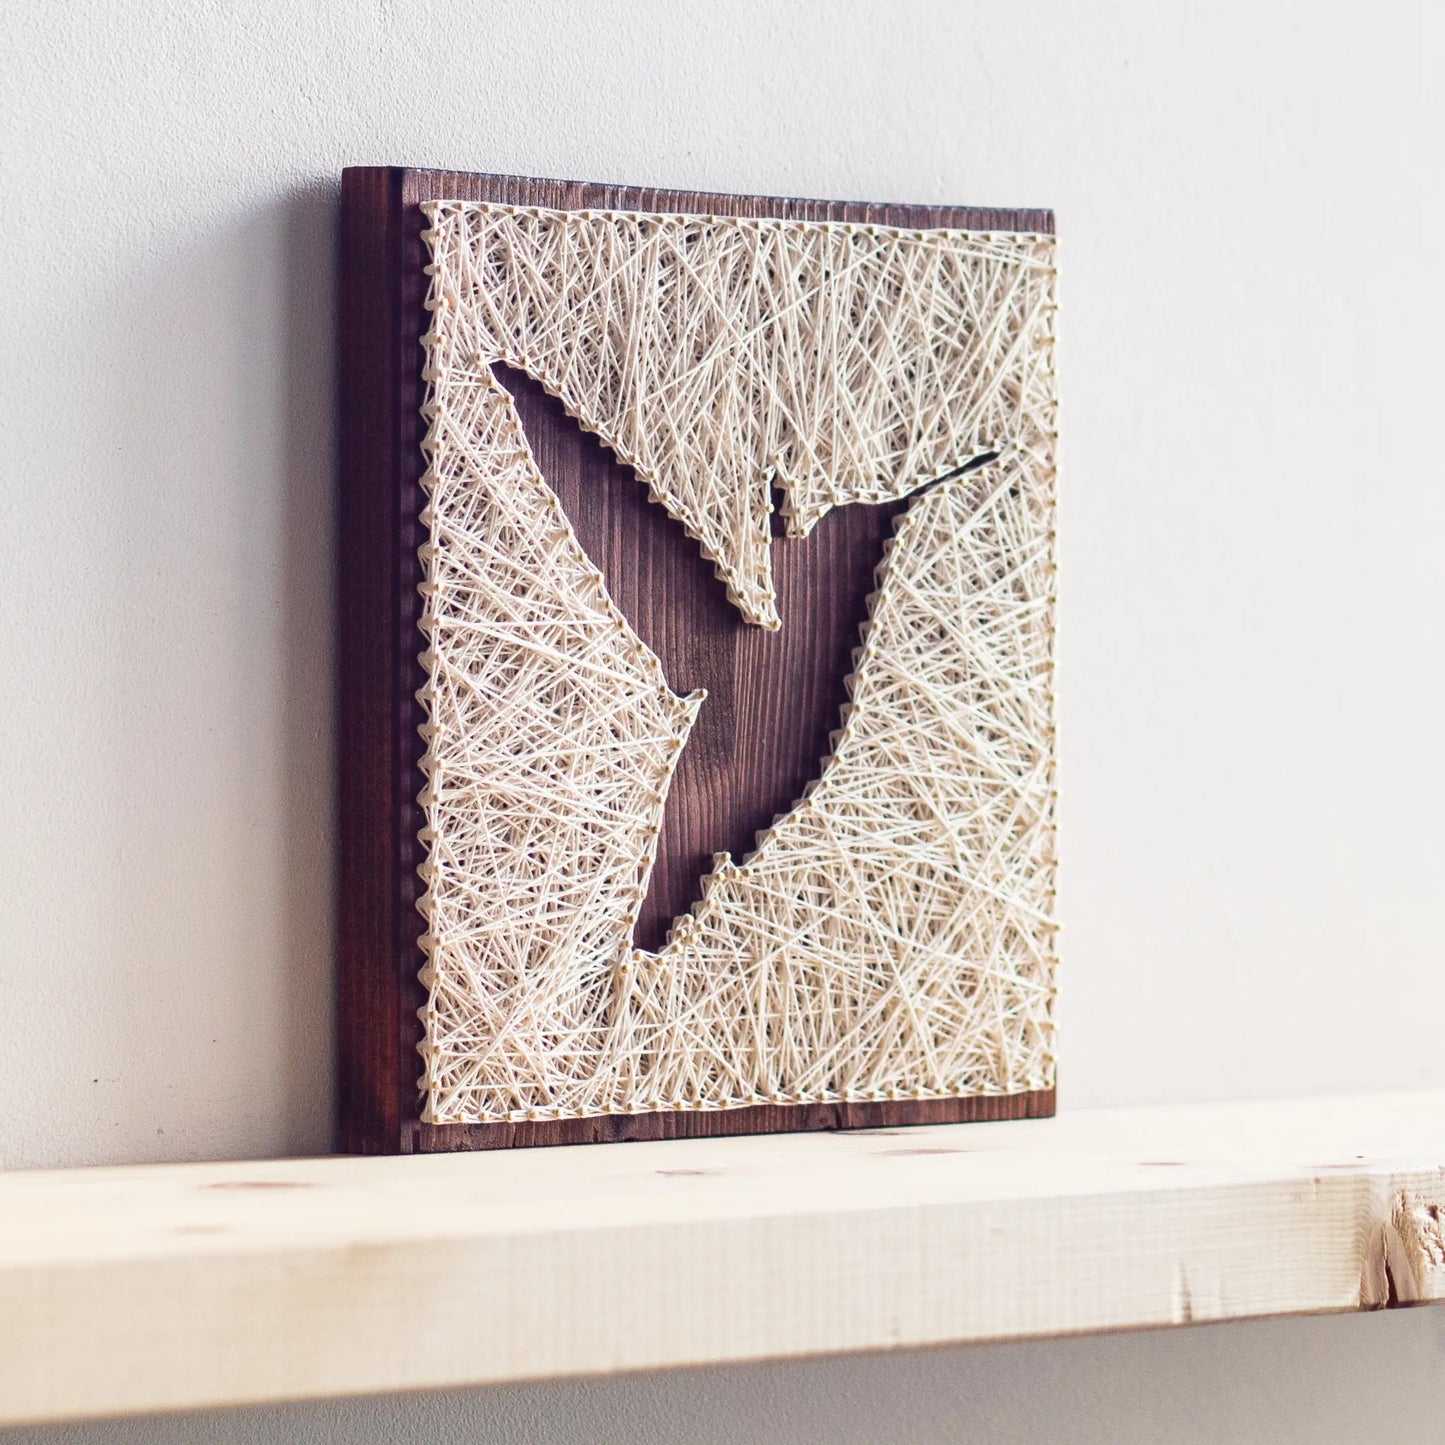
{"type": "Point", "coordinates": [165, 1287]}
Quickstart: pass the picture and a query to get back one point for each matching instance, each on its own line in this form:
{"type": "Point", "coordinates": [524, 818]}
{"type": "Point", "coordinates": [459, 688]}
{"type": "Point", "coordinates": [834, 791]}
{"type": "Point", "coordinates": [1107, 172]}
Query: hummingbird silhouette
{"type": "Point", "coordinates": [774, 697]}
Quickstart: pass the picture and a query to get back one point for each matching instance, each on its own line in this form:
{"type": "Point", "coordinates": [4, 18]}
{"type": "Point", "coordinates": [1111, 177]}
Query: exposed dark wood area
{"type": "Point", "coordinates": [773, 697]}
{"type": "Point", "coordinates": [758, 1119]}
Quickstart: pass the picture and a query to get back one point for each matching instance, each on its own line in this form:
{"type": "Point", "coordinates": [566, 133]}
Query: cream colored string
{"type": "Point", "coordinates": [891, 936]}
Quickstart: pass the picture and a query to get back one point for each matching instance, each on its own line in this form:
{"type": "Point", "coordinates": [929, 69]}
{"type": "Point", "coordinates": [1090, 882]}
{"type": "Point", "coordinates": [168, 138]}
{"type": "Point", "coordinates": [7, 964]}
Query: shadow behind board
{"type": "Point", "coordinates": [773, 698]}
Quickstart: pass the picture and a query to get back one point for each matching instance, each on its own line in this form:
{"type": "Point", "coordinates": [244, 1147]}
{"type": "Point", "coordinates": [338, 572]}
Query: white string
{"type": "Point", "coordinates": [892, 935]}
{"type": "Point", "coordinates": [848, 363]}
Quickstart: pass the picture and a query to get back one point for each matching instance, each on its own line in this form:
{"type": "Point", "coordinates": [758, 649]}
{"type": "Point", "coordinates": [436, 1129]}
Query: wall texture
{"type": "Point", "coordinates": [1251, 210]}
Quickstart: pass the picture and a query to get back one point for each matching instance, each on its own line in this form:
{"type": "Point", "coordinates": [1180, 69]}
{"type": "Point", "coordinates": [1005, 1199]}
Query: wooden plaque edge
{"type": "Point", "coordinates": [381, 321]}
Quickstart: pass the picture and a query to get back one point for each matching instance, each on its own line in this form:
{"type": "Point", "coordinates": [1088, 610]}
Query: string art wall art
{"type": "Point", "coordinates": [697, 738]}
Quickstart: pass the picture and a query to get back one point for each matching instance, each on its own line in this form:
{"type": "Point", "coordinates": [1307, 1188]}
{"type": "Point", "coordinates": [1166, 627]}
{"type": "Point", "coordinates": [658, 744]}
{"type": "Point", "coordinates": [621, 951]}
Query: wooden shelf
{"type": "Point", "coordinates": [165, 1287]}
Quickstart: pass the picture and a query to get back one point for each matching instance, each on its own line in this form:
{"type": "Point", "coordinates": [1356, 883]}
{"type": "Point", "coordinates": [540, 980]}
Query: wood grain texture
{"type": "Point", "coordinates": [178, 1286]}
{"type": "Point", "coordinates": [773, 697]}
{"type": "Point", "coordinates": [371, 716]}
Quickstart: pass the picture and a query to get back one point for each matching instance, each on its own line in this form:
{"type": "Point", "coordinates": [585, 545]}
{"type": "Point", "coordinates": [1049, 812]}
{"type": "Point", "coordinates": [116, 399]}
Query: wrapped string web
{"type": "Point", "coordinates": [891, 936]}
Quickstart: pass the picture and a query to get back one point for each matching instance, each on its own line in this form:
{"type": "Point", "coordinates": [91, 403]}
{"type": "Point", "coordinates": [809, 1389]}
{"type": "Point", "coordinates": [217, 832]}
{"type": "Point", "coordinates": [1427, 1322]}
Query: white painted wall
{"type": "Point", "coordinates": [1251, 209]}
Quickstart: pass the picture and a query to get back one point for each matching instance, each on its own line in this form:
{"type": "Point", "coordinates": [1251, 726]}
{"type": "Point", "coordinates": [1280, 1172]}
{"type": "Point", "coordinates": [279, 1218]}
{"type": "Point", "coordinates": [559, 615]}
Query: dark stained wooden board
{"type": "Point", "coordinates": [773, 697]}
